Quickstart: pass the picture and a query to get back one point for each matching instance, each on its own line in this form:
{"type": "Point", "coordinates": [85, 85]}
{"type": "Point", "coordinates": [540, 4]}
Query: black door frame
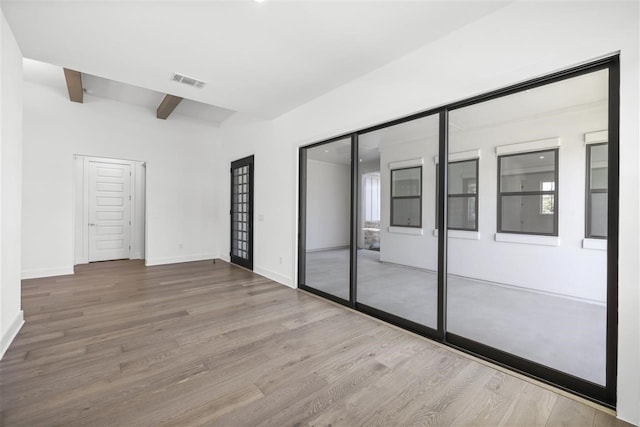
{"type": "Point", "coordinates": [605, 395]}
{"type": "Point", "coordinates": [243, 262]}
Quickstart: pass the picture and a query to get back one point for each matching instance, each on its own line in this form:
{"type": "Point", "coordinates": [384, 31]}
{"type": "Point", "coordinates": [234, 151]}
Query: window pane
{"type": "Point", "coordinates": [406, 212]}
{"type": "Point", "coordinates": [328, 210]}
{"type": "Point", "coordinates": [462, 213]}
{"type": "Point", "coordinates": [527, 172]}
{"type": "Point", "coordinates": [462, 177]}
{"type": "Point", "coordinates": [599, 214]}
{"type": "Point", "coordinates": [524, 214]}
{"type": "Point", "coordinates": [371, 197]}
{"type": "Point", "coordinates": [405, 182]}
{"type": "Point", "coordinates": [599, 166]}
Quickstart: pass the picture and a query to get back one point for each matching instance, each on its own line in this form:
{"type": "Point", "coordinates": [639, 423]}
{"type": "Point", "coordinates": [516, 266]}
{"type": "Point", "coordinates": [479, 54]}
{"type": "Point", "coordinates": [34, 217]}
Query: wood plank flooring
{"type": "Point", "coordinates": [120, 344]}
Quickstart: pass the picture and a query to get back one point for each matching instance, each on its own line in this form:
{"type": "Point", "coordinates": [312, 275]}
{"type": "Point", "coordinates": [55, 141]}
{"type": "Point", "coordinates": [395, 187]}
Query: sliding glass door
{"type": "Point", "coordinates": [489, 224]}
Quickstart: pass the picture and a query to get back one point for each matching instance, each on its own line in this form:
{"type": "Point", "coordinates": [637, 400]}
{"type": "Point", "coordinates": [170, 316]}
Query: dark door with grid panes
{"type": "Point", "coordinates": [242, 212]}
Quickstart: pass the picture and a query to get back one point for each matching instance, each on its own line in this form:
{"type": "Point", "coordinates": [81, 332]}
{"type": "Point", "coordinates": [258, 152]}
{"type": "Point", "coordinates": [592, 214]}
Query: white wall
{"type": "Point", "coordinates": [517, 43]}
{"type": "Point", "coordinates": [180, 178]}
{"type": "Point", "coordinates": [328, 205]}
{"type": "Point", "coordinates": [11, 316]}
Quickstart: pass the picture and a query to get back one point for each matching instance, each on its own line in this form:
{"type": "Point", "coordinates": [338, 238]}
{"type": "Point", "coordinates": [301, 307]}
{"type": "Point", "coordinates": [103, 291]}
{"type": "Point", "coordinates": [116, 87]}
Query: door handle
{"type": "Point", "coordinates": [91, 224]}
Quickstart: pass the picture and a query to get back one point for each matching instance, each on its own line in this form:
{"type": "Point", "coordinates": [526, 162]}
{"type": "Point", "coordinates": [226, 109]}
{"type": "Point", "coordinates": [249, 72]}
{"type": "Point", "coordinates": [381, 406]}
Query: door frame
{"type": "Point", "coordinates": [245, 161]}
{"type": "Point", "coordinates": [80, 215]}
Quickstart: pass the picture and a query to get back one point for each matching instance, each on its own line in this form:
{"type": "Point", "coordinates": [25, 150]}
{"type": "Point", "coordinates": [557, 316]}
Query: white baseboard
{"type": "Point", "coordinates": [272, 275]}
{"type": "Point", "coordinates": [276, 277]}
{"type": "Point", "coordinates": [9, 336]}
{"type": "Point", "coordinates": [46, 272]}
{"type": "Point", "coordinates": [178, 259]}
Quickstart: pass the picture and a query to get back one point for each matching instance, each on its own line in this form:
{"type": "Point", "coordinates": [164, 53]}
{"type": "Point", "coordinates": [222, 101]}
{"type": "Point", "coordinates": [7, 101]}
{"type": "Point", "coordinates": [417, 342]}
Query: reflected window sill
{"type": "Point", "coordinates": [406, 230]}
{"type": "Point", "coordinates": [528, 239]}
{"type": "Point", "coordinates": [596, 244]}
{"type": "Point", "coordinates": [460, 234]}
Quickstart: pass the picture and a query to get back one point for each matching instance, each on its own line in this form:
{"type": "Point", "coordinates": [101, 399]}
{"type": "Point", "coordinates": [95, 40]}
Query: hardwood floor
{"type": "Point", "coordinates": [211, 344]}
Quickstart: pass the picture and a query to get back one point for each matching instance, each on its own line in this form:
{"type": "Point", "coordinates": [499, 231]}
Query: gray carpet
{"type": "Point", "coordinates": [558, 332]}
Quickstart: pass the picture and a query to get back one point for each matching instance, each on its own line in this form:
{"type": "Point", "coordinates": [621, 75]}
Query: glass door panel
{"type": "Point", "coordinates": [327, 193]}
{"type": "Point", "coordinates": [526, 282]}
{"type": "Point", "coordinates": [397, 250]}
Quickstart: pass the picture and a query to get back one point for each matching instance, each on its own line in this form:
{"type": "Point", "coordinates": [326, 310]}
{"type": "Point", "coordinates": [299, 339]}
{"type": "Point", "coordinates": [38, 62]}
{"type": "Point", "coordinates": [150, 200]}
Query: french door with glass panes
{"type": "Point", "coordinates": [242, 212]}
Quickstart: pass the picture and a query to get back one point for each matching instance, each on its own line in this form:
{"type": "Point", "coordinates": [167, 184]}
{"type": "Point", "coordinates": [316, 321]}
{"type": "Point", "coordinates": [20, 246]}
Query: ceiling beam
{"type": "Point", "coordinates": [74, 84]}
{"type": "Point", "coordinates": [168, 104]}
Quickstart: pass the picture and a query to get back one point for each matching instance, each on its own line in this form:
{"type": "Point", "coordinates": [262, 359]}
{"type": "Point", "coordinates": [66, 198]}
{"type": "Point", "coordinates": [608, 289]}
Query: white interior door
{"type": "Point", "coordinates": [109, 211]}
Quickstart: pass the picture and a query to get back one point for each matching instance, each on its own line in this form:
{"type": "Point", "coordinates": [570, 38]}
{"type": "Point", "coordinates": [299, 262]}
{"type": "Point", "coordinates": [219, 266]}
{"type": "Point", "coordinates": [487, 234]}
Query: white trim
{"type": "Point", "coordinates": [225, 258]}
{"type": "Point", "coordinates": [460, 234]}
{"type": "Point", "coordinates": [47, 272]}
{"type": "Point", "coordinates": [276, 277]}
{"type": "Point", "coordinates": [406, 230]}
{"type": "Point", "coordinates": [460, 156]}
{"type": "Point", "coordinates": [597, 244]}
{"type": "Point", "coordinates": [523, 147]}
{"type": "Point", "coordinates": [528, 239]}
{"type": "Point", "coordinates": [406, 163]}
{"type": "Point", "coordinates": [79, 215]}
{"type": "Point", "coordinates": [179, 259]}
{"type": "Point", "coordinates": [107, 159]}
{"type": "Point", "coordinates": [11, 333]}
{"type": "Point", "coordinates": [596, 137]}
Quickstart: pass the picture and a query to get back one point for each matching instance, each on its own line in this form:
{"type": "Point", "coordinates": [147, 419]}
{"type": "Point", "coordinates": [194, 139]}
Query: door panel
{"type": "Point", "coordinates": [242, 212]}
{"type": "Point", "coordinates": [327, 192]}
{"type": "Point", "coordinates": [397, 271]}
{"type": "Point", "coordinates": [109, 211]}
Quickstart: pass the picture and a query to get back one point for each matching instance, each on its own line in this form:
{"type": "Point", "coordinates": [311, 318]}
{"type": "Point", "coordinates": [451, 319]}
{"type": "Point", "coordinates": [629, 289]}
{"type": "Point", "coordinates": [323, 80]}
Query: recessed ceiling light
{"type": "Point", "coordinates": [542, 157]}
{"type": "Point", "coordinates": [326, 151]}
{"type": "Point", "coordinates": [360, 159]}
{"type": "Point", "coordinates": [258, 1]}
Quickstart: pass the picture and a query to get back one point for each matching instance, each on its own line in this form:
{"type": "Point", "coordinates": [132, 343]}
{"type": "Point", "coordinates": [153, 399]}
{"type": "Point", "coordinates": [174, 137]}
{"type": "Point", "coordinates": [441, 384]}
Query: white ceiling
{"type": "Point", "coordinates": [262, 59]}
{"type": "Point", "coordinates": [150, 99]}
{"type": "Point", "coordinates": [52, 76]}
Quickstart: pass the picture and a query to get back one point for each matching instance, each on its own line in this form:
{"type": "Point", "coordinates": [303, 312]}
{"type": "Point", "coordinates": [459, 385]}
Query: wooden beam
{"type": "Point", "coordinates": [167, 106]}
{"type": "Point", "coordinates": [74, 84]}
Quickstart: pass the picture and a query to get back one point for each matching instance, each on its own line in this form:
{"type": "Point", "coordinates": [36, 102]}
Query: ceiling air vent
{"type": "Point", "coordinates": [181, 78]}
